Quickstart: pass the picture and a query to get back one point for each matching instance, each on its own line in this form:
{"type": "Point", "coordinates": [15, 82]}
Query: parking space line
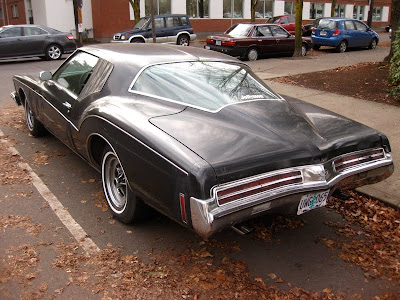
{"type": "Point", "coordinates": [65, 217]}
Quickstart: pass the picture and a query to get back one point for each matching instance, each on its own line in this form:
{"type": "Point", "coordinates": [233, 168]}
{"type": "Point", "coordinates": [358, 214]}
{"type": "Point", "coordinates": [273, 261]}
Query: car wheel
{"type": "Point", "coordinates": [252, 54]}
{"type": "Point", "coordinates": [183, 40]}
{"type": "Point", "coordinates": [122, 201]}
{"type": "Point", "coordinates": [316, 47]}
{"type": "Point", "coordinates": [53, 52]}
{"type": "Point", "coordinates": [342, 47]}
{"type": "Point", "coordinates": [303, 50]}
{"type": "Point", "coordinates": [137, 40]}
{"type": "Point", "coordinates": [373, 44]}
{"type": "Point", "coordinates": [34, 126]}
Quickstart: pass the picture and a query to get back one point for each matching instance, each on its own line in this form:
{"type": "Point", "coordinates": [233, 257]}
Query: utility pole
{"type": "Point", "coordinates": [153, 26]}
{"type": "Point", "coordinates": [78, 20]}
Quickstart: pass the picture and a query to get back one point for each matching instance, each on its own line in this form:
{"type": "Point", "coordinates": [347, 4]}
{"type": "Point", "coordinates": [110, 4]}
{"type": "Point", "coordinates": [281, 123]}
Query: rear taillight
{"type": "Point", "coordinates": [313, 30]}
{"type": "Point", "coordinates": [70, 37]}
{"type": "Point", "coordinates": [183, 207]}
{"type": "Point", "coordinates": [357, 159]}
{"type": "Point", "coordinates": [228, 43]}
{"type": "Point", "coordinates": [258, 186]}
{"type": "Point", "coordinates": [210, 41]}
{"type": "Point", "coordinates": [336, 32]}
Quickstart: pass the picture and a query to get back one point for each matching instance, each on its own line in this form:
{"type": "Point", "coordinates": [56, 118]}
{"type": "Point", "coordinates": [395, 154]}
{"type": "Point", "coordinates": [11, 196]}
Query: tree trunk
{"type": "Point", "coordinates": [298, 31]}
{"type": "Point", "coordinates": [253, 10]}
{"type": "Point", "coordinates": [333, 8]}
{"type": "Point", "coordinates": [395, 22]}
{"type": "Point", "coordinates": [371, 9]}
{"type": "Point", "coordinates": [136, 9]}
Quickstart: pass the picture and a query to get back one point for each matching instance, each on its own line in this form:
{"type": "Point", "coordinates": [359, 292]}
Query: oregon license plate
{"type": "Point", "coordinates": [218, 43]}
{"type": "Point", "coordinates": [311, 201]}
{"type": "Point", "coordinates": [323, 33]}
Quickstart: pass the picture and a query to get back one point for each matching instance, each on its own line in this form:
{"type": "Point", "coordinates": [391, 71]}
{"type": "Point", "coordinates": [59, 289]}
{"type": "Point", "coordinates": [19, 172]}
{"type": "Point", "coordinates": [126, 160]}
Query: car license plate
{"type": "Point", "coordinates": [218, 43]}
{"type": "Point", "coordinates": [311, 201]}
{"type": "Point", "coordinates": [323, 33]}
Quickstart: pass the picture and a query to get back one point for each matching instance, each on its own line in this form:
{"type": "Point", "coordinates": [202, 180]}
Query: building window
{"type": "Point", "coordinates": [161, 7]}
{"type": "Point", "coordinates": [290, 8]}
{"type": "Point", "coordinates": [264, 9]}
{"type": "Point", "coordinates": [233, 8]}
{"type": "Point", "coordinates": [339, 10]}
{"type": "Point", "coordinates": [197, 8]}
{"type": "Point", "coordinates": [14, 11]}
{"type": "Point", "coordinates": [358, 12]}
{"type": "Point", "coordinates": [316, 10]}
{"type": "Point", "coordinates": [1, 13]}
{"type": "Point", "coordinates": [377, 14]}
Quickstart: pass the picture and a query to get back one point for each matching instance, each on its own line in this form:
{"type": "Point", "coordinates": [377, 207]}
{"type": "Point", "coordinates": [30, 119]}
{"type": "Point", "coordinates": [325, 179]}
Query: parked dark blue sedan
{"type": "Point", "coordinates": [343, 33]}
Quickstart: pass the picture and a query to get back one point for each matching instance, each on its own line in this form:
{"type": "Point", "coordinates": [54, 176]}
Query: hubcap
{"type": "Point", "coordinates": [373, 44]}
{"type": "Point", "coordinates": [114, 182]}
{"type": "Point", "coordinates": [54, 52]}
{"type": "Point", "coordinates": [253, 54]}
{"type": "Point", "coordinates": [303, 51]}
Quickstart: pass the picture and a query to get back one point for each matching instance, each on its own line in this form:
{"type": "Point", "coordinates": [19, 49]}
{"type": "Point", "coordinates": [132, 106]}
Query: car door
{"type": "Point", "coordinates": [61, 94]}
{"type": "Point", "coordinates": [172, 27]}
{"type": "Point", "coordinates": [263, 37]}
{"type": "Point", "coordinates": [365, 35]}
{"type": "Point", "coordinates": [161, 30]}
{"type": "Point", "coordinates": [34, 40]}
{"type": "Point", "coordinates": [11, 42]}
{"type": "Point", "coordinates": [350, 34]}
{"type": "Point", "coordinates": [284, 41]}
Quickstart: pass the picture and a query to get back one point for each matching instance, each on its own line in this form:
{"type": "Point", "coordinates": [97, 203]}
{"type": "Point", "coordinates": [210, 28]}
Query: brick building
{"type": "Point", "coordinates": [13, 12]}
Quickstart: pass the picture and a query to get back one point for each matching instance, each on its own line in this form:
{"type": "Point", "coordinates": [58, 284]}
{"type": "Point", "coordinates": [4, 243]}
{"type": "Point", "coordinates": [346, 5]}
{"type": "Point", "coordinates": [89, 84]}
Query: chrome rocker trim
{"type": "Point", "coordinates": [208, 217]}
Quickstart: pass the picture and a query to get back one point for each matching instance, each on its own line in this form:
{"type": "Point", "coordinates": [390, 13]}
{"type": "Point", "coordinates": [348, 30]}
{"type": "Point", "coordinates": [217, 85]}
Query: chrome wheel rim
{"type": "Point", "coordinates": [343, 47]}
{"type": "Point", "coordinates": [184, 41]}
{"type": "Point", "coordinates": [373, 44]}
{"type": "Point", "coordinates": [54, 52]}
{"type": "Point", "coordinates": [114, 183]}
{"type": "Point", "coordinates": [29, 117]}
{"type": "Point", "coordinates": [253, 54]}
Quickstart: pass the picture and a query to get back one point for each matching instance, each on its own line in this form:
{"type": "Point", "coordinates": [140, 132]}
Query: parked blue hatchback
{"type": "Point", "coordinates": [343, 33]}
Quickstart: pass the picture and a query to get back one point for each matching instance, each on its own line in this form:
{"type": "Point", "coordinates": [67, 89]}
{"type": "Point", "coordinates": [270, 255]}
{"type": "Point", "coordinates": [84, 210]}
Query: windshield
{"type": "Point", "coordinates": [141, 23]}
{"type": "Point", "coordinates": [206, 85]}
{"type": "Point", "coordinates": [239, 30]}
{"type": "Point", "coordinates": [327, 24]}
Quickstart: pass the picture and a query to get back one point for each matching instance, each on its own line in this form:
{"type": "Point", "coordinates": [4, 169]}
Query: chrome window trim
{"type": "Point", "coordinates": [279, 97]}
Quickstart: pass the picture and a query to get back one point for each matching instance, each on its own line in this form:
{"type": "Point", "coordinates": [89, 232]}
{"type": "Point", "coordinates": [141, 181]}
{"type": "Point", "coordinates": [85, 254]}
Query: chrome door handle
{"type": "Point", "coordinates": [67, 105]}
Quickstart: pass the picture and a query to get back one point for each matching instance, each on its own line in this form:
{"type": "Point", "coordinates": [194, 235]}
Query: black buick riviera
{"type": "Point", "coordinates": [197, 135]}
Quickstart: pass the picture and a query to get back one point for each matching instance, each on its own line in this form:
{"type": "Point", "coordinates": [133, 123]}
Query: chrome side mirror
{"type": "Point", "coordinates": [45, 75]}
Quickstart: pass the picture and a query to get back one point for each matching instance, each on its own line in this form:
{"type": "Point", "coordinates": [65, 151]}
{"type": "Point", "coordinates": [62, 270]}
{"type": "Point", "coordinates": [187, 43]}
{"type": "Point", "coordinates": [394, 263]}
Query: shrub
{"type": "Point", "coordinates": [394, 74]}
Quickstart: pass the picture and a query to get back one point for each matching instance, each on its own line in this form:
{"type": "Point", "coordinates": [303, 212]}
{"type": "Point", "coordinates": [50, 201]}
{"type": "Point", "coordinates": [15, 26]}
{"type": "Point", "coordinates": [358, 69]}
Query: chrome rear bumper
{"type": "Point", "coordinates": [209, 217]}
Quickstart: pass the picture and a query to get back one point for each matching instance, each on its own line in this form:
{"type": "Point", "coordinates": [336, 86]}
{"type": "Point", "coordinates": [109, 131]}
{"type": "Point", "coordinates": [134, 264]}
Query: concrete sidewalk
{"type": "Point", "coordinates": [383, 117]}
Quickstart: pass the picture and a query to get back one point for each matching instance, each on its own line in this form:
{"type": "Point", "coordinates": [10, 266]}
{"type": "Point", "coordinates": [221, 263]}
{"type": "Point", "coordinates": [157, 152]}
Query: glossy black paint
{"type": "Point", "coordinates": [168, 148]}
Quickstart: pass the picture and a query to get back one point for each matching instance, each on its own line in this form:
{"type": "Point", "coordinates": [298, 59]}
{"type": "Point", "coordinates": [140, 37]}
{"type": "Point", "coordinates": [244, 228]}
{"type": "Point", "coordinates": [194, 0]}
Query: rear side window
{"type": "Point", "coordinates": [361, 26]}
{"type": "Point", "coordinates": [327, 24]}
{"type": "Point", "coordinates": [205, 85]}
{"type": "Point", "coordinates": [262, 31]}
{"type": "Point", "coordinates": [184, 21]}
{"type": "Point", "coordinates": [349, 25]}
{"type": "Point", "coordinates": [291, 19]}
{"type": "Point", "coordinates": [34, 31]}
{"type": "Point", "coordinates": [173, 22]}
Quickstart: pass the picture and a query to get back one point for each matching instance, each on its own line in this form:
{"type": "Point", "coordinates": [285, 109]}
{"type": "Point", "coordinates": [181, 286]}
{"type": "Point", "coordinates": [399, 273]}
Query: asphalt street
{"type": "Point", "coordinates": [293, 253]}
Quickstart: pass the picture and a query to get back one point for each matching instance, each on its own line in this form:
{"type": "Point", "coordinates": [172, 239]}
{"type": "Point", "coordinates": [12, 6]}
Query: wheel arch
{"type": "Point", "coordinates": [137, 37]}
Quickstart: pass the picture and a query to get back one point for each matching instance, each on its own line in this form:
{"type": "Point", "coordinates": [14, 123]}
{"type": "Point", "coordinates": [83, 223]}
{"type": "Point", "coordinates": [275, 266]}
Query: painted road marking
{"type": "Point", "coordinates": [65, 217]}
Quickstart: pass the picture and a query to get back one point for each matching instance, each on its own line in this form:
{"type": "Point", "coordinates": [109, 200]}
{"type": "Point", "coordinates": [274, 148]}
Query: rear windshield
{"type": "Point", "coordinates": [206, 85]}
{"type": "Point", "coordinates": [327, 24]}
{"type": "Point", "coordinates": [239, 30]}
